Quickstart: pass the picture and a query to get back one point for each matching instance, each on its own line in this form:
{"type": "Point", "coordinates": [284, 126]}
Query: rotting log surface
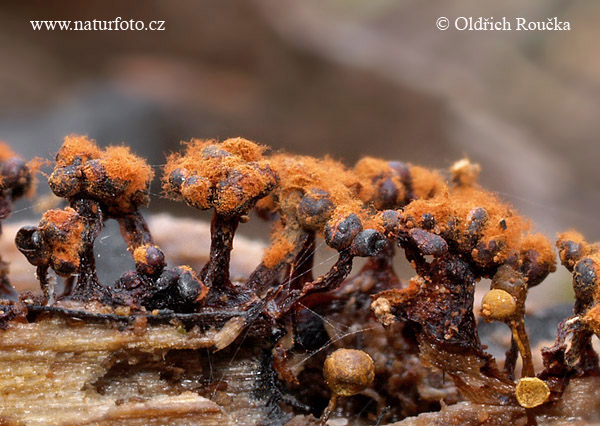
{"type": "Point", "coordinates": [65, 371]}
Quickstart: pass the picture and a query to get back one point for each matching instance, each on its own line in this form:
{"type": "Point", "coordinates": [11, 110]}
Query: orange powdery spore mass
{"type": "Point", "coordinates": [542, 245]}
{"type": "Point", "coordinates": [248, 182]}
{"type": "Point", "coordinates": [573, 236]}
{"type": "Point", "coordinates": [77, 146]}
{"type": "Point", "coordinates": [139, 254]}
{"type": "Point", "coordinates": [249, 151]}
{"type": "Point", "coordinates": [266, 204]}
{"type": "Point", "coordinates": [60, 218]}
{"type": "Point", "coordinates": [121, 164]}
{"type": "Point", "coordinates": [459, 204]}
{"type": "Point", "coordinates": [192, 162]}
{"type": "Point", "coordinates": [203, 289]}
{"type": "Point", "coordinates": [213, 167]}
{"type": "Point", "coordinates": [426, 183]}
{"type": "Point", "coordinates": [72, 227]}
{"type": "Point", "coordinates": [5, 151]}
{"type": "Point", "coordinates": [36, 163]}
{"type": "Point", "coordinates": [465, 173]}
{"type": "Point", "coordinates": [592, 319]}
{"type": "Point", "coordinates": [400, 296]}
{"type": "Point", "coordinates": [373, 222]}
{"type": "Point", "coordinates": [200, 192]}
{"type": "Point", "coordinates": [370, 167]}
{"type": "Point", "coordinates": [369, 170]}
{"type": "Point", "coordinates": [279, 249]}
{"type": "Point", "coordinates": [301, 174]}
{"type": "Point", "coordinates": [368, 221]}
{"type": "Point", "coordinates": [228, 174]}
{"type": "Point", "coordinates": [577, 238]}
{"type": "Point", "coordinates": [129, 174]}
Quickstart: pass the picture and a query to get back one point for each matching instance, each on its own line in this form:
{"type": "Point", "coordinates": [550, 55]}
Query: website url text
{"type": "Point", "coordinates": [117, 24]}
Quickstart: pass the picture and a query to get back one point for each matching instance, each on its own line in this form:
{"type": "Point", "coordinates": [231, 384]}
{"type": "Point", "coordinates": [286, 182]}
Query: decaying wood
{"type": "Point", "coordinates": [580, 406]}
{"type": "Point", "coordinates": [66, 371]}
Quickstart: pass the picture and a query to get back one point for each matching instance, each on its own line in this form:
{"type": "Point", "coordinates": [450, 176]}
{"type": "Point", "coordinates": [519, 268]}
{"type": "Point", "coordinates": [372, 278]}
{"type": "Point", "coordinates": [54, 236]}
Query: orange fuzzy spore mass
{"type": "Point", "coordinates": [373, 222]}
{"type": "Point", "coordinates": [503, 225]}
{"type": "Point", "coordinates": [60, 218]}
{"type": "Point", "coordinates": [139, 254]}
{"type": "Point", "coordinates": [301, 174]}
{"type": "Point", "coordinates": [36, 163]}
{"type": "Point", "coordinates": [27, 180]}
{"type": "Point", "coordinates": [542, 245]}
{"type": "Point", "coordinates": [5, 152]}
{"type": "Point", "coordinates": [210, 160]}
{"type": "Point", "coordinates": [77, 146]}
{"type": "Point", "coordinates": [249, 151]}
{"type": "Point", "coordinates": [426, 183]}
{"type": "Point", "coordinates": [369, 170]}
{"type": "Point", "coordinates": [592, 319]}
{"type": "Point", "coordinates": [114, 176]}
{"type": "Point", "coordinates": [465, 173]}
{"type": "Point", "coordinates": [576, 238]}
{"type": "Point", "coordinates": [121, 164]}
{"type": "Point", "coordinates": [225, 175]}
{"type": "Point", "coordinates": [573, 236]}
{"type": "Point", "coordinates": [279, 249]}
{"type": "Point", "coordinates": [71, 226]}
{"type": "Point", "coordinates": [370, 167]}
{"type": "Point", "coordinates": [192, 161]}
{"type": "Point", "coordinates": [399, 296]}
{"type": "Point", "coordinates": [251, 181]}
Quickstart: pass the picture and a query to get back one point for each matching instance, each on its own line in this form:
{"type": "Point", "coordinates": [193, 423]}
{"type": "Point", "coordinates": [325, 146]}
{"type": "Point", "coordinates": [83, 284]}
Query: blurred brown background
{"type": "Point", "coordinates": [340, 77]}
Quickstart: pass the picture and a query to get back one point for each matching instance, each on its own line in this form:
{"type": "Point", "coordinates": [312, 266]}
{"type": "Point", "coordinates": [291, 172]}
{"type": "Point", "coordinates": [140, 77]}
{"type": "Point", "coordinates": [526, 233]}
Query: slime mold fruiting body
{"type": "Point", "coordinates": [453, 234]}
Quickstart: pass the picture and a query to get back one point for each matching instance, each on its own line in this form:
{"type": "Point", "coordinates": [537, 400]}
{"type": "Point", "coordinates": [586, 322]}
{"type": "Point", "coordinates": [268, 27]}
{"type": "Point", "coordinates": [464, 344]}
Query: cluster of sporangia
{"type": "Point", "coordinates": [453, 235]}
